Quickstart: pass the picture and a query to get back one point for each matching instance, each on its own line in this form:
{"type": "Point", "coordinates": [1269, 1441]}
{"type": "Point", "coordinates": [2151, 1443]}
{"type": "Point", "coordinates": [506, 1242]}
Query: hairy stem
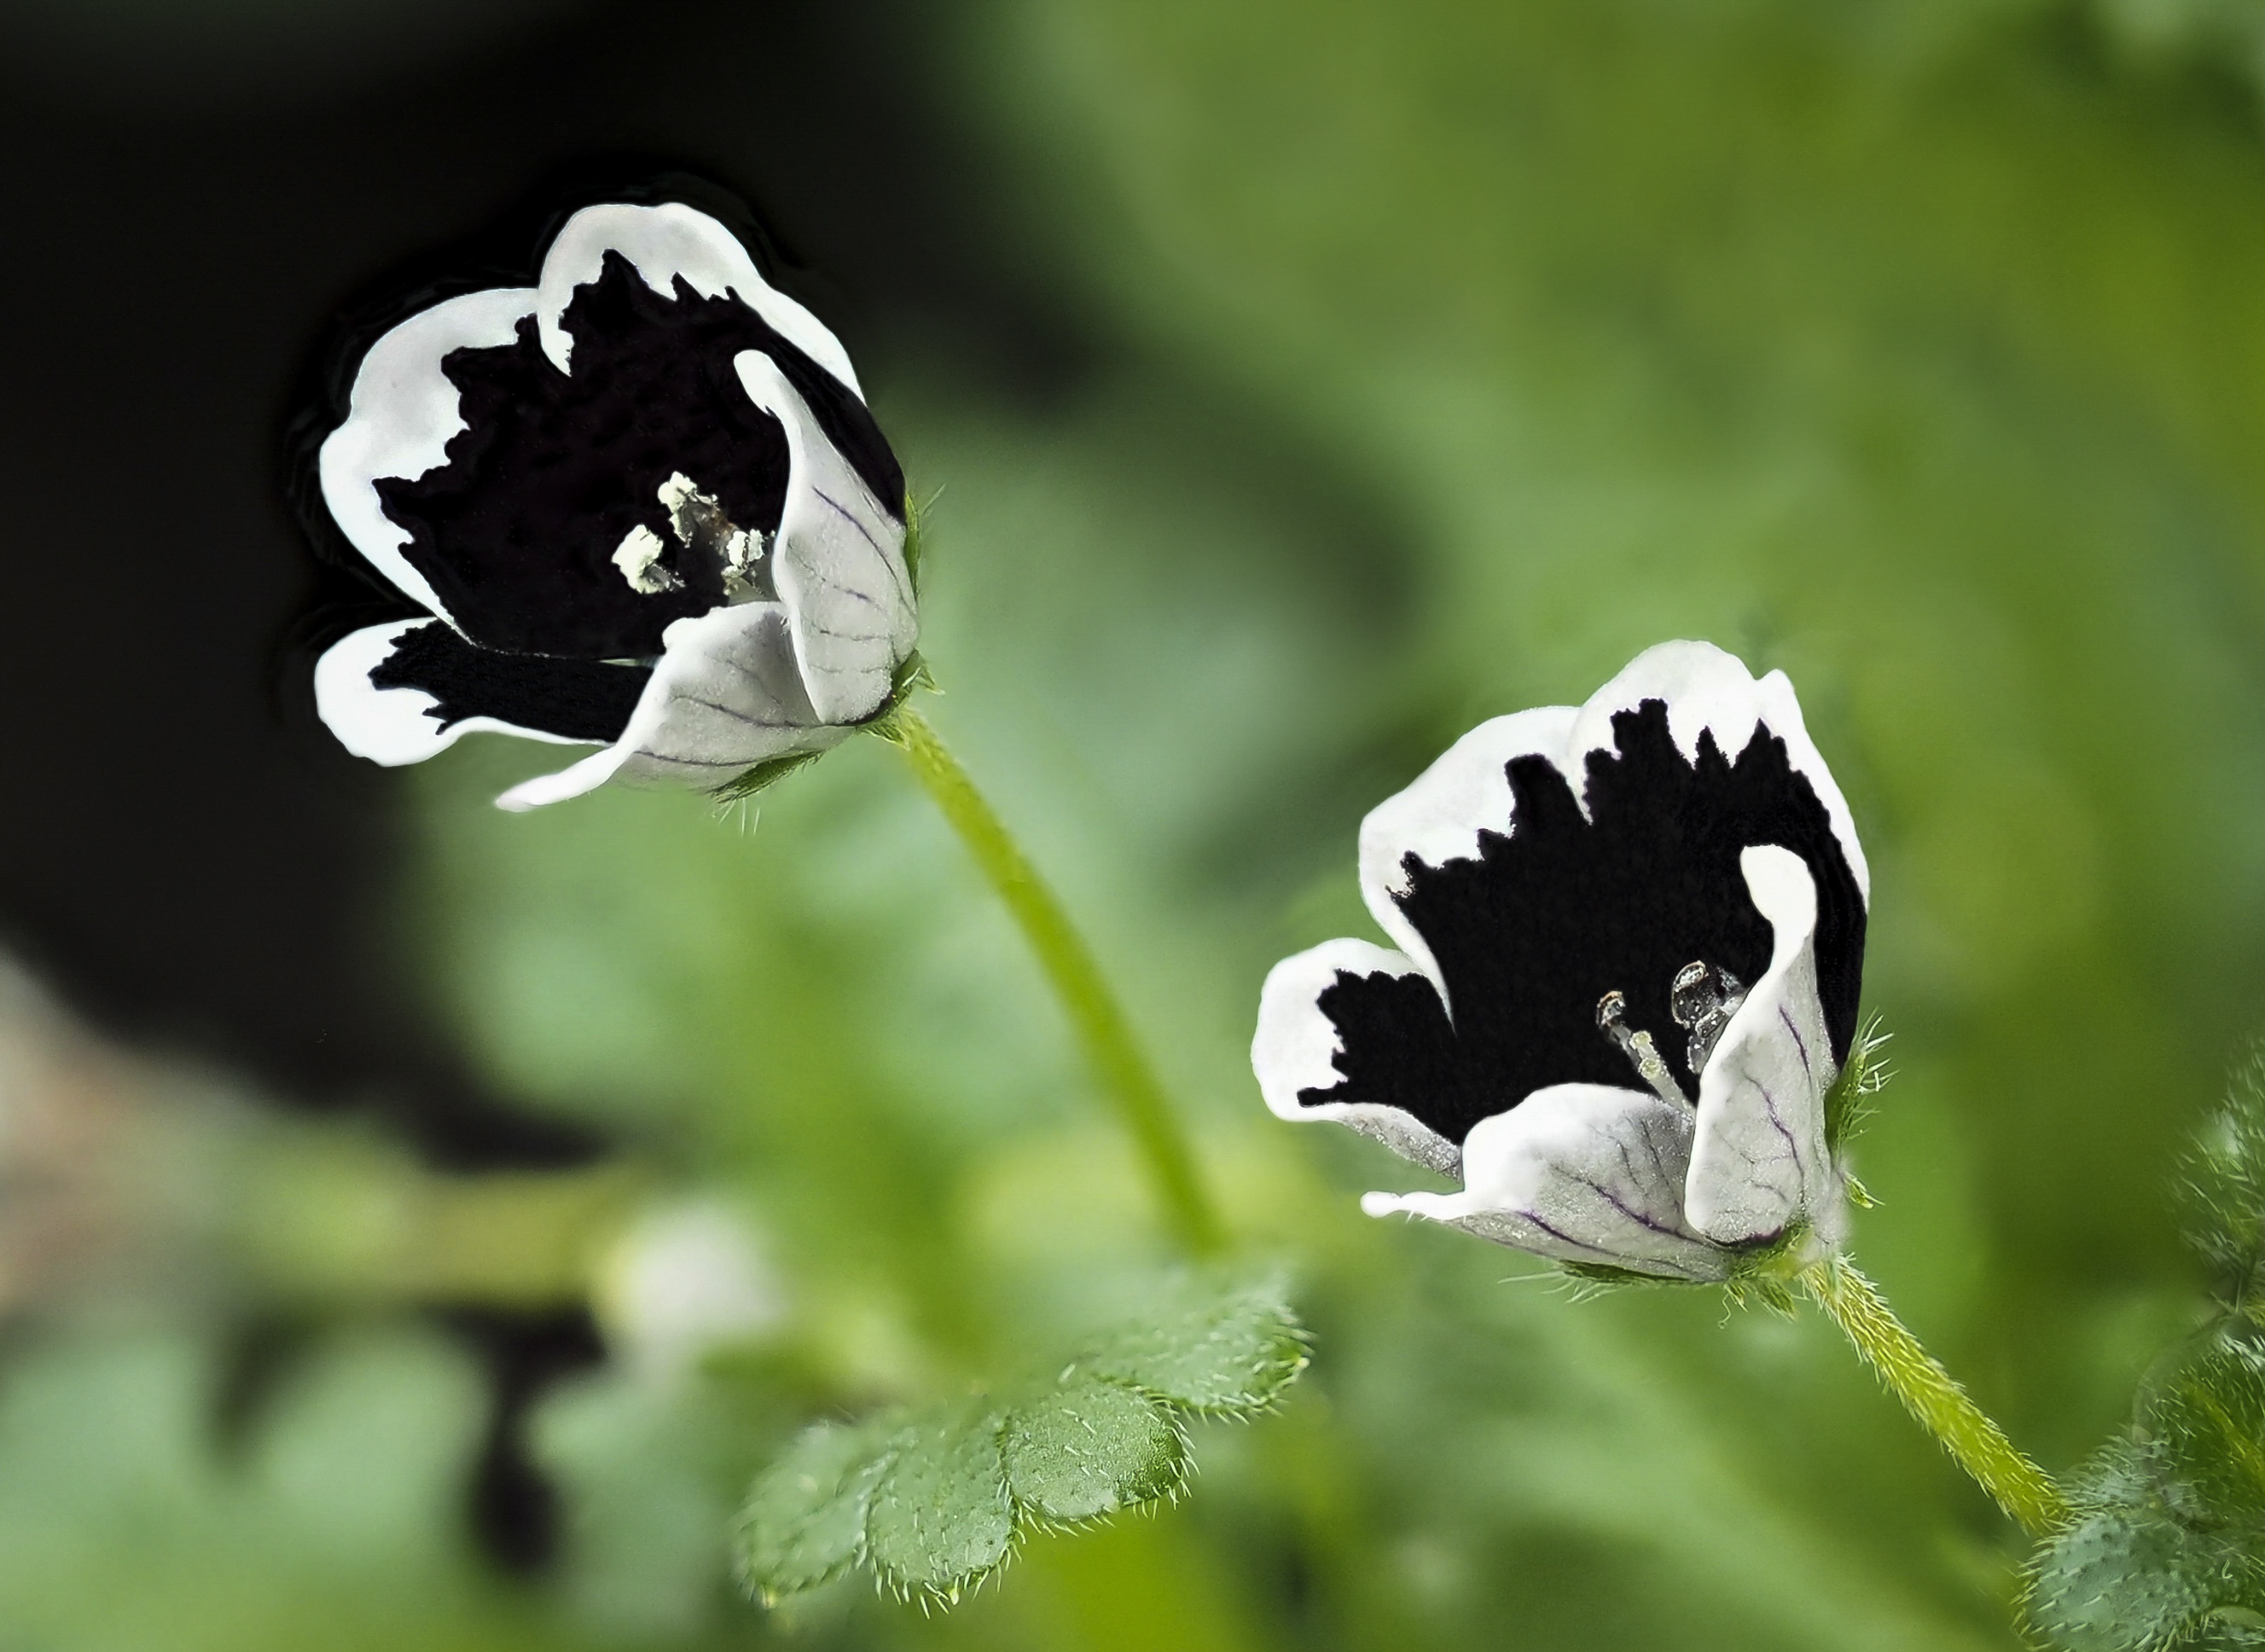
{"type": "Point", "coordinates": [1118, 1059]}
{"type": "Point", "coordinates": [1931, 1394]}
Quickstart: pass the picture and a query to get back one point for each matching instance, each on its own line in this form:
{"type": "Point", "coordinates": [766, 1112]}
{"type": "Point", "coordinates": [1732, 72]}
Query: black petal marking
{"type": "Point", "coordinates": [574, 699]}
{"type": "Point", "coordinates": [518, 529]}
{"type": "Point", "coordinates": [1532, 933]}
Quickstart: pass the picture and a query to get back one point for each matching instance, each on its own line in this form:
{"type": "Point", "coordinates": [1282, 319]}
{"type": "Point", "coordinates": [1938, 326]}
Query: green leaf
{"type": "Point", "coordinates": [1227, 1355]}
{"type": "Point", "coordinates": [803, 1523]}
{"type": "Point", "coordinates": [2131, 1573]}
{"type": "Point", "coordinates": [2205, 1426]}
{"type": "Point", "coordinates": [941, 1517]}
{"type": "Point", "coordinates": [2122, 1579]}
{"type": "Point", "coordinates": [932, 1503]}
{"type": "Point", "coordinates": [1090, 1448]}
{"type": "Point", "coordinates": [2226, 1177]}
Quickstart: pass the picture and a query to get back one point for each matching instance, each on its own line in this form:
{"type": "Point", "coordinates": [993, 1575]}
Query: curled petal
{"type": "Point", "coordinates": [400, 416]}
{"type": "Point", "coordinates": [840, 561]}
{"type": "Point", "coordinates": [1758, 1162]}
{"type": "Point", "coordinates": [724, 696]}
{"type": "Point", "coordinates": [1580, 1172]}
{"type": "Point", "coordinates": [1296, 1049]}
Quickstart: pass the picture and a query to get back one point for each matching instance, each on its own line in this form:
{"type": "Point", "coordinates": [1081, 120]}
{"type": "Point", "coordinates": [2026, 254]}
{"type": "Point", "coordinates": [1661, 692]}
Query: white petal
{"type": "Point", "coordinates": [1706, 689]}
{"type": "Point", "coordinates": [1439, 816]}
{"type": "Point", "coordinates": [390, 725]}
{"type": "Point", "coordinates": [573, 780]}
{"type": "Point", "coordinates": [1579, 1173]}
{"type": "Point", "coordinates": [1759, 1162]}
{"type": "Point", "coordinates": [662, 243]}
{"type": "Point", "coordinates": [839, 562]}
{"type": "Point", "coordinates": [725, 696]}
{"type": "Point", "coordinates": [400, 417]}
{"type": "Point", "coordinates": [1295, 1042]}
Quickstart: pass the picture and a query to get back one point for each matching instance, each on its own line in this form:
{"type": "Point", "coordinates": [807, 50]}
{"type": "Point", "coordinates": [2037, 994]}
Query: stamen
{"type": "Point", "coordinates": [638, 558]}
{"type": "Point", "coordinates": [1642, 1054]}
{"type": "Point", "coordinates": [1703, 999]}
{"type": "Point", "coordinates": [700, 524]}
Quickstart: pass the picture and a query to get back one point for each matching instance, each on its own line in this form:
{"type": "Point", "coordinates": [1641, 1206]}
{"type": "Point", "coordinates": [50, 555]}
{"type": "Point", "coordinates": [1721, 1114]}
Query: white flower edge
{"type": "Point", "coordinates": [662, 243]}
{"type": "Point", "coordinates": [402, 412]}
{"type": "Point", "coordinates": [1579, 1173]}
{"type": "Point", "coordinates": [838, 558]}
{"type": "Point", "coordinates": [1295, 1045]}
{"type": "Point", "coordinates": [390, 726]}
{"type": "Point", "coordinates": [1752, 1161]}
{"type": "Point", "coordinates": [1438, 816]}
{"type": "Point", "coordinates": [401, 416]}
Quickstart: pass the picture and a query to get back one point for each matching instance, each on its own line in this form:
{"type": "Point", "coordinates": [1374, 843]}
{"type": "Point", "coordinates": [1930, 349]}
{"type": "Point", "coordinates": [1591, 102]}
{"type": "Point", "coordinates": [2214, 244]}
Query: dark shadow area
{"type": "Point", "coordinates": [186, 855]}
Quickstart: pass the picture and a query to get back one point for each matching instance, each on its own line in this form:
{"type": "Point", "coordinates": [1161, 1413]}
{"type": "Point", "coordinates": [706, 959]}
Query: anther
{"type": "Point", "coordinates": [1703, 999]}
{"type": "Point", "coordinates": [701, 526]}
{"type": "Point", "coordinates": [1642, 1054]}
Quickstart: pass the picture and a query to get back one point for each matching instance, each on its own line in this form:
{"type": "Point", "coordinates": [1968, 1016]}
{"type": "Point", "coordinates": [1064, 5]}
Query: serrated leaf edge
{"type": "Point", "coordinates": [1286, 1335]}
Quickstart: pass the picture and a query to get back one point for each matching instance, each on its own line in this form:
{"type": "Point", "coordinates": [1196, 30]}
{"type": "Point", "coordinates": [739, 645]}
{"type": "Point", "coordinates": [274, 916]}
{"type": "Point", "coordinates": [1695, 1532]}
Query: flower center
{"type": "Point", "coordinates": [1642, 1054]}
{"type": "Point", "coordinates": [700, 527]}
{"type": "Point", "coordinates": [698, 521]}
{"type": "Point", "coordinates": [1702, 999]}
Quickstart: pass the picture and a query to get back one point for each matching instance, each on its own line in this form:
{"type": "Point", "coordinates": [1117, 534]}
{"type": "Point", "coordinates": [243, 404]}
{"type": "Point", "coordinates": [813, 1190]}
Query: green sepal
{"type": "Point", "coordinates": [915, 517]}
{"type": "Point", "coordinates": [1848, 1103]}
{"type": "Point", "coordinates": [763, 776]}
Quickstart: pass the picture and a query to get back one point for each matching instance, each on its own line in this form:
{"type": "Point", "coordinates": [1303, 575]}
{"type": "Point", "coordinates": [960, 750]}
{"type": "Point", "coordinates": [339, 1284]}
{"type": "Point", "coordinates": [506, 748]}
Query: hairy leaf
{"type": "Point", "coordinates": [1090, 1448]}
{"type": "Point", "coordinates": [2205, 1426]}
{"type": "Point", "coordinates": [2122, 1579]}
{"type": "Point", "coordinates": [932, 1501]}
{"type": "Point", "coordinates": [804, 1520]}
{"type": "Point", "coordinates": [2226, 1174]}
{"type": "Point", "coordinates": [941, 1517]}
{"type": "Point", "coordinates": [2134, 1571]}
{"type": "Point", "coordinates": [1223, 1355]}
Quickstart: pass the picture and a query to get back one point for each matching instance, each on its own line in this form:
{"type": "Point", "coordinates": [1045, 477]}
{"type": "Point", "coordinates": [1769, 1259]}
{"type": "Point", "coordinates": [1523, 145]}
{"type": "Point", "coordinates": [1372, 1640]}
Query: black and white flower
{"type": "Point", "coordinates": [1630, 944]}
{"type": "Point", "coordinates": [640, 504]}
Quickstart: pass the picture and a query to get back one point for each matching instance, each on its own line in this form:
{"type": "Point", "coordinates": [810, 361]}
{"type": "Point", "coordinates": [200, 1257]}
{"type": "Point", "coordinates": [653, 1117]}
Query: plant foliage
{"type": "Point", "coordinates": [2166, 1545]}
{"type": "Point", "coordinates": [931, 1501]}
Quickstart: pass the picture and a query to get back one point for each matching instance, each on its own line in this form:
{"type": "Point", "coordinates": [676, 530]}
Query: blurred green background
{"type": "Point", "coordinates": [1446, 354]}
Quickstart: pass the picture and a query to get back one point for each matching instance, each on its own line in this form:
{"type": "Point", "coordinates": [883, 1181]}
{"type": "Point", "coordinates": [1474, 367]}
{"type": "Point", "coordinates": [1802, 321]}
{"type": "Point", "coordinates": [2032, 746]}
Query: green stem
{"type": "Point", "coordinates": [1931, 1394]}
{"type": "Point", "coordinates": [1117, 1055]}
